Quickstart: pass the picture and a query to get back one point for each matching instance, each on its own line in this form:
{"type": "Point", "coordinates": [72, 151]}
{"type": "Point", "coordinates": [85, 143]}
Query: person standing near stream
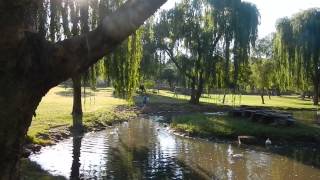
{"type": "Point", "coordinates": [145, 100]}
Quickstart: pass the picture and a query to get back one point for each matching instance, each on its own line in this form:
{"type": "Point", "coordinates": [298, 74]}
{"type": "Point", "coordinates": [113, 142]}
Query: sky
{"type": "Point", "coordinates": [271, 11]}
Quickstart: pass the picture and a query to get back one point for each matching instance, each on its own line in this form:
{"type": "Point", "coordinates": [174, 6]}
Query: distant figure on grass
{"type": "Point", "coordinates": [175, 92]}
{"type": "Point", "coordinates": [145, 100]}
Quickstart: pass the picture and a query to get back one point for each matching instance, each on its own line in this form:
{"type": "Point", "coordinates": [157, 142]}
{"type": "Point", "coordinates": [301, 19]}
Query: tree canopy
{"type": "Point", "coordinates": [297, 50]}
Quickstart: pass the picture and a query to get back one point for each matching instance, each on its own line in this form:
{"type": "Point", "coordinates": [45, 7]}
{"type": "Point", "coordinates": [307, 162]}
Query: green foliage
{"type": "Point", "coordinates": [238, 22]}
{"type": "Point", "coordinates": [262, 73]}
{"type": "Point", "coordinates": [170, 76]}
{"type": "Point", "coordinates": [149, 84]}
{"type": "Point", "coordinates": [262, 66]}
{"type": "Point", "coordinates": [188, 37]}
{"type": "Point", "coordinates": [151, 62]}
{"type": "Point", "coordinates": [297, 50]}
{"type": "Point", "coordinates": [123, 66]}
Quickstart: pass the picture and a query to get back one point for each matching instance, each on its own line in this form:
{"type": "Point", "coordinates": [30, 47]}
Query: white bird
{"type": "Point", "coordinates": [268, 142]}
{"type": "Point", "coordinates": [239, 141]}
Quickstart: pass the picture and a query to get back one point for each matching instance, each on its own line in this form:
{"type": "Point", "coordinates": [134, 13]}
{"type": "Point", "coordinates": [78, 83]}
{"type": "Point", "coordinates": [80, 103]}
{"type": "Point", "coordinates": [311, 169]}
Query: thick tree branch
{"type": "Point", "coordinates": [174, 60]}
{"type": "Point", "coordinates": [75, 55]}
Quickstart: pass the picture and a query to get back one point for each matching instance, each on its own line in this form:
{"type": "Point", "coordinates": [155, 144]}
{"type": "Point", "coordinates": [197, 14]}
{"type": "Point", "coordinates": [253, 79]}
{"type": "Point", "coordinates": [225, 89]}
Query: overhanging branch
{"type": "Point", "coordinates": [80, 52]}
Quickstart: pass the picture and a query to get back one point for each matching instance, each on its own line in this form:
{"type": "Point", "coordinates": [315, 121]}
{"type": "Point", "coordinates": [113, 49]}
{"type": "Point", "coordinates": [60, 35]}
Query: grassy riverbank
{"type": "Point", "coordinates": [53, 116]}
{"type": "Point", "coordinates": [230, 127]}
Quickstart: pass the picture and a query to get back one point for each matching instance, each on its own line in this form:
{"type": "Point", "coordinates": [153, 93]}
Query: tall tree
{"type": "Point", "coordinates": [150, 59]}
{"type": "Point", "coordinates": [238, 21]}
{"type": "Point", "coordinates": [246, 33]}
{"type": "Point", "coordinates": [297, 49]}
{"type": "Point", "coordinates": [30, 65]}
{"type": "Point", "coordinates": [76, 79]}
{"type": "Point", "coordinates": [123, 64]}
{"type": "Point", "coordinates": [187, 35]}
{"type": "Point", "coordinates": [262, 72]}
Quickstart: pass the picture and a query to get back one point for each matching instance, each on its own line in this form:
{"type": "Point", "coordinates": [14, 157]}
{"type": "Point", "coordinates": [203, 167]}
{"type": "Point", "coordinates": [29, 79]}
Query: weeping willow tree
{"type": "Point", "coordinates": [187, 35]}
{"type": "Point", "coordinates": [238, 21]}
{"type": "Point", "coordinates": [150, 67]}
{"type": "Point", "coordinates": [122, 66]}
{"type": "Point", "coordinates": [297, 50]}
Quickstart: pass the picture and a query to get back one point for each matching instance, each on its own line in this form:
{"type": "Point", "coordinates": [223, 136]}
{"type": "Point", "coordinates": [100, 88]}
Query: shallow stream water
{"type": "Point", "coordinates": [144, 149]}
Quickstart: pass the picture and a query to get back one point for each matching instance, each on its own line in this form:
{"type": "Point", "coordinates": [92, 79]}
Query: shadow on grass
{"type": "Point", "coordinates": [161, 100]}
{"type": "Point", "coordinates": [69, 93]}
{"type": "Point", "coordinates": [305, 101]}
{"type": "Point", "coordinates": [155, 98]}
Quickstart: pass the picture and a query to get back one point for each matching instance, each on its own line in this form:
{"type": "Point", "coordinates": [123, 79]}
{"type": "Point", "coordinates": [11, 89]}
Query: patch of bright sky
{"type": "Point", "coordinates": [271, 11]}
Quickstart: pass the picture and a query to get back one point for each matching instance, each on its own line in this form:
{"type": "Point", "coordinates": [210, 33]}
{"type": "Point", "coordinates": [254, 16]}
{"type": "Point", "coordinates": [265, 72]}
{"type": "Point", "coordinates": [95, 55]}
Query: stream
{"type": "Point", "coordinates": [144, 149]}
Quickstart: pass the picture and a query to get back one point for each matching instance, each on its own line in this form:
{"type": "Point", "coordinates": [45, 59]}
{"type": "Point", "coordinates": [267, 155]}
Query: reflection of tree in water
{"type": "Point", "coordinates": [75, 168]}
{"type": "Point", "coordinates": [308, 155]}
{"type": "Point", "coordinates": [138, 156]}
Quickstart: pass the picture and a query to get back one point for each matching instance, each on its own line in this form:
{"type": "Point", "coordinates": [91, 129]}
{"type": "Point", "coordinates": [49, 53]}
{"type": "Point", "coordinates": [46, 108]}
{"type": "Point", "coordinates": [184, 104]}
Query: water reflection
{"type": "Point", "coordinates": [309, 117]}
{"type": "Point", "coordinates": [142, 149]}
{"type": "Point", "coordinates": [76, 151]}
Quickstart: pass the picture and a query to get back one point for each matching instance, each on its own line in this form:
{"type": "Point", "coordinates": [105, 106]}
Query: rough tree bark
{"type": "Point", "coordinates": [196, 91]}
{"type": "Point", "coordinates": [193, 91]}
{"type": "Point", "coordinates": [77, 113]}
{"type": "Point", "coordinates": [262, 96]}
{"type": "Point", "coordinates": [77, 105]}
{"type": "Point", "coordinates": [316, 93]}
{"type": "Point", "coordinates": [316, 82]}
{"type": "Point", "coordinates": [30, 66]}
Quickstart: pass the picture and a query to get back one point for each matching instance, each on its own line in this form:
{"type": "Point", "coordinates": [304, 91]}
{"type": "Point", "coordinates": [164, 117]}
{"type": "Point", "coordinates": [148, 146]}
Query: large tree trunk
{"type": "Point", "coordinates": [196, 92]}
{"type": "Point", "coordinates": [76, 80]}
{"type": "Point", "coordinates": [193, 99]}
{"type": "Point", "coordinates": [200, 89]}
{"type": "Point", "coordinates": [227, 65]}
{"type": "Point", "coordinates": [30, 65]}
{"type": "Point", "coordinates": [17, 106]}
{"type": "Point", "coordinates": [303, 95]}
{"type": "Point", "coordinates": [77, 105]}
{"type": "Point", "coordinates": [269, 94]}
{"type": "Point", "coordinates": [224, 96]}
{"type": "Point", "coordinates": [262, 96]}
{"type": "Point", "coordinates": [316, 92]}
{"type": "Point", "coordinates": [316, 81]}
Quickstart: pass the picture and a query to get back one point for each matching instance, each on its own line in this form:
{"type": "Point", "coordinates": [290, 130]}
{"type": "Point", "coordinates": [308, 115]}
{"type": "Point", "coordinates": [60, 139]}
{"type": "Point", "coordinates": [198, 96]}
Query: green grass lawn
{"type": "Point", "coordinates": [283, 102]}
{"type": "Point", "coordinates": [230, 127]}
{"type": "Point", "coordinates": [55, 110]}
